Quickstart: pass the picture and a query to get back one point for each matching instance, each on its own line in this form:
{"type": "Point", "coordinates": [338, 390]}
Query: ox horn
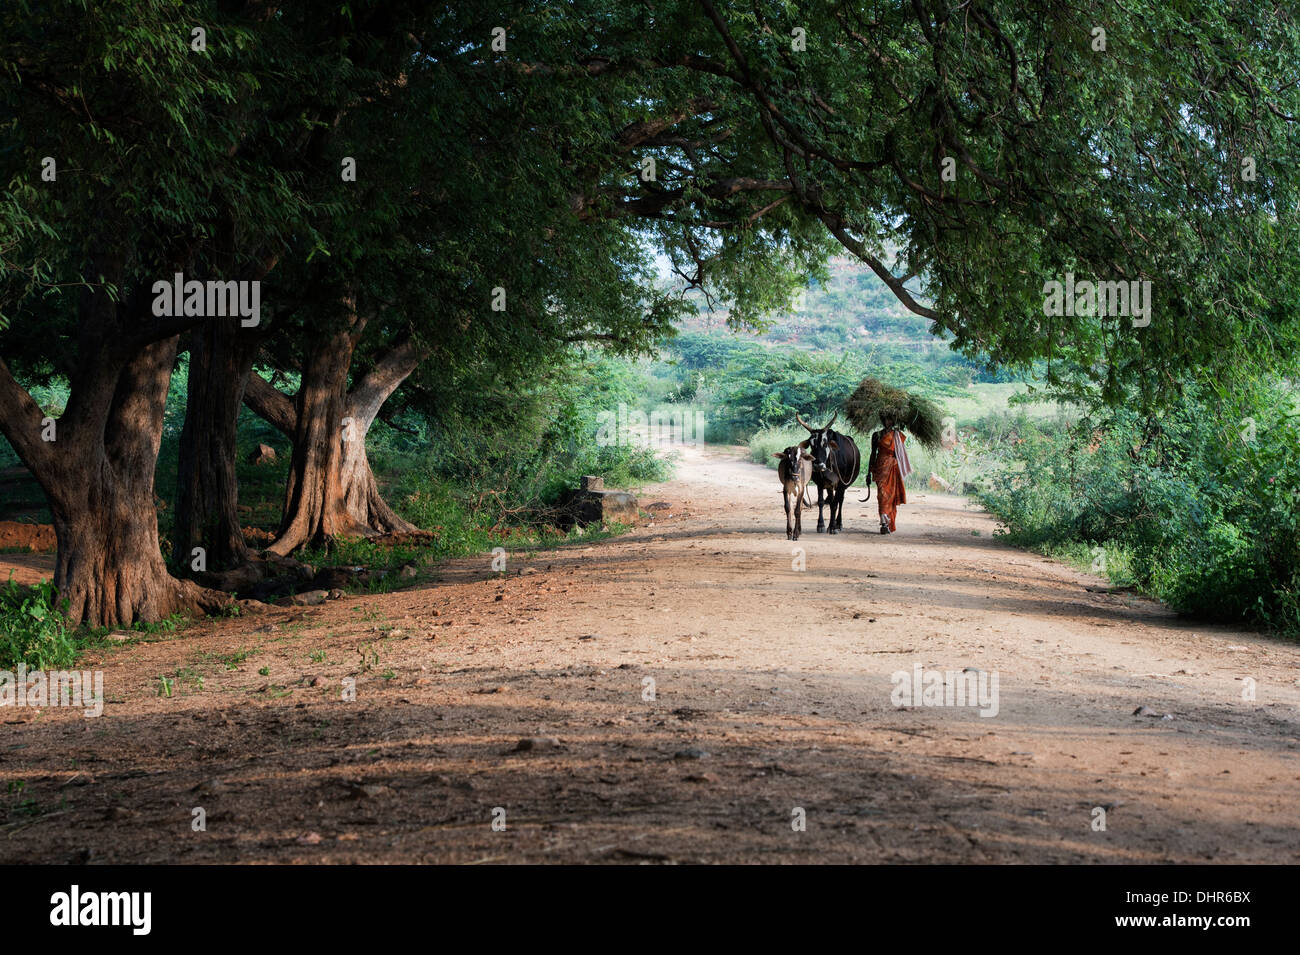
{"type": "Point", "coordinates": [804, 423]}
{"type": "Point", "coordinates": [832, 421]}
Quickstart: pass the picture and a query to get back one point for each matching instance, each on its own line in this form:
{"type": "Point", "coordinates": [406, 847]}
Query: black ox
{"type": "Point", "coordinates": [835, 464]}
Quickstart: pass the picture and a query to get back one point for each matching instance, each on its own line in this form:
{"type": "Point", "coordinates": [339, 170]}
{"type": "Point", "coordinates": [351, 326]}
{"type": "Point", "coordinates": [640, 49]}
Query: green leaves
{"type": "Point", "coordinates": [32, 631]}
{"type": "Point", "coordinates": [1120, 164]}
{"type": "Point", "coordinates": [1205, 499]}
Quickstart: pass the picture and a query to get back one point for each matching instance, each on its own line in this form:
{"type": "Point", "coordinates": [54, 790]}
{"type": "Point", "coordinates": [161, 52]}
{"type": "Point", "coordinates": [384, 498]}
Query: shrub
{"type": "Point", "coordinates": [32, 630]}
{"type": "Point", "coordinates": [1203, 500]}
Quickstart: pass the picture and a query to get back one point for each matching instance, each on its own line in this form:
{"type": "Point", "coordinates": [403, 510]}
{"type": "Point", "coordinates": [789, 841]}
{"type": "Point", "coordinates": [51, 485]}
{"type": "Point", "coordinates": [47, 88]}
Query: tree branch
{"type": "Point", "coordinates": [20, 421]}
{"type": "Point", "coordinates": [270, 404]}
{"type": "Point", "coordinates": [392, 368]}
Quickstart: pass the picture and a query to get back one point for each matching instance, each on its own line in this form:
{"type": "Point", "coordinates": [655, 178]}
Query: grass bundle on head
{"type": "Point", "coordinates": [873, 401]}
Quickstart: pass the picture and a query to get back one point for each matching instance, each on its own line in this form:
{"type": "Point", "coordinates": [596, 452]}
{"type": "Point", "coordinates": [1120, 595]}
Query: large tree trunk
{"type": "Point", "coordinates": [332, 490]}
{"type": "Point", "coordinates": [207, 488]}
{"type": "Point", "coordinates": [360, 490]}
{"type": "Point", "coordinates": [98, 474]}
{"type": "Point", "coordinates": [361, 495]}
{"type": "Point", "coordinates": [96, 462]}
{"type": "Point", "coordinates": [315, 508]}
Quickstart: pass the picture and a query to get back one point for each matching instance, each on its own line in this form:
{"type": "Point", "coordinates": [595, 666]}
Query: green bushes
{"type": "Point", "coordinates": [32, 631]}
{"type": "Point", "coordinates": [438, 507]}
{"type": "Point", "coordinates": [747, 387]}
{"type": "Point", "coordinates": [1200, 506]}
{"type": "Point", "coordinates": [508, 456]}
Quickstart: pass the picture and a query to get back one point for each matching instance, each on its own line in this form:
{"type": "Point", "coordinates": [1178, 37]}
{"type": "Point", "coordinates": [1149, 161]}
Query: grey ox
{"type": "Point", "coordinates": [795, 471]}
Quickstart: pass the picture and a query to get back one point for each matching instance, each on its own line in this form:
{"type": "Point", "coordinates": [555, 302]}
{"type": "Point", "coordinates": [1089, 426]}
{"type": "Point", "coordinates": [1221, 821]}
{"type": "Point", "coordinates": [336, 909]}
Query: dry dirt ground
{"type": "Point", "coordinates": [771, 694]}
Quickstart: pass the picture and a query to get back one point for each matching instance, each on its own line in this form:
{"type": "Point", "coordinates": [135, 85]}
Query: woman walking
{"type": "Point", "coordinates": [887, 467]}
{"type": "Point", "coordinates": [874, 403]}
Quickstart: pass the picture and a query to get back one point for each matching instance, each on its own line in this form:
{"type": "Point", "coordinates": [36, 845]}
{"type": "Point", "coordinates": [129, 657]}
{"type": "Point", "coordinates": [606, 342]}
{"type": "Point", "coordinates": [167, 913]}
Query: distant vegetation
{"type": "Point", "coordinates": [853, 310]}
{"type": "Point", "coordinates": [749, 387]}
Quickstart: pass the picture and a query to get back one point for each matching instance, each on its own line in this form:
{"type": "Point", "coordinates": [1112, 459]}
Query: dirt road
{"type": "Point", "coordinates": [769, 703]}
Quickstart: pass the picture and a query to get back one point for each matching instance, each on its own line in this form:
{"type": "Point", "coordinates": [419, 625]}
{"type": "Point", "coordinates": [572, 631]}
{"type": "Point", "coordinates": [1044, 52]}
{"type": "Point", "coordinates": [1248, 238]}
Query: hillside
{"type": "Point", "coordinates": [852, 309]}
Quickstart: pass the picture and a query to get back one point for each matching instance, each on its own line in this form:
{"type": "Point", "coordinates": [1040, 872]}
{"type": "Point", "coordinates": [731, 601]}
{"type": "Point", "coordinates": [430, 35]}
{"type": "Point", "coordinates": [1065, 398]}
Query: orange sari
{"type": "Point", "coordinates": [890, 491]}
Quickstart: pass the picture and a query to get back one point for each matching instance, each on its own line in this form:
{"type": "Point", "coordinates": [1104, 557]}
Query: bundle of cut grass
{"type": "Point", "coordinates": [873, 402]}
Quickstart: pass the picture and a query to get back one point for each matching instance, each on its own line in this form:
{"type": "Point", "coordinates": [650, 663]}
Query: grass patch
{"type": "Point", "coordinates": [186, 680]}
{"type": "Point", "coordinates": [1109, 561]}
{"type": "Point", "coordinates": [232, 661]}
